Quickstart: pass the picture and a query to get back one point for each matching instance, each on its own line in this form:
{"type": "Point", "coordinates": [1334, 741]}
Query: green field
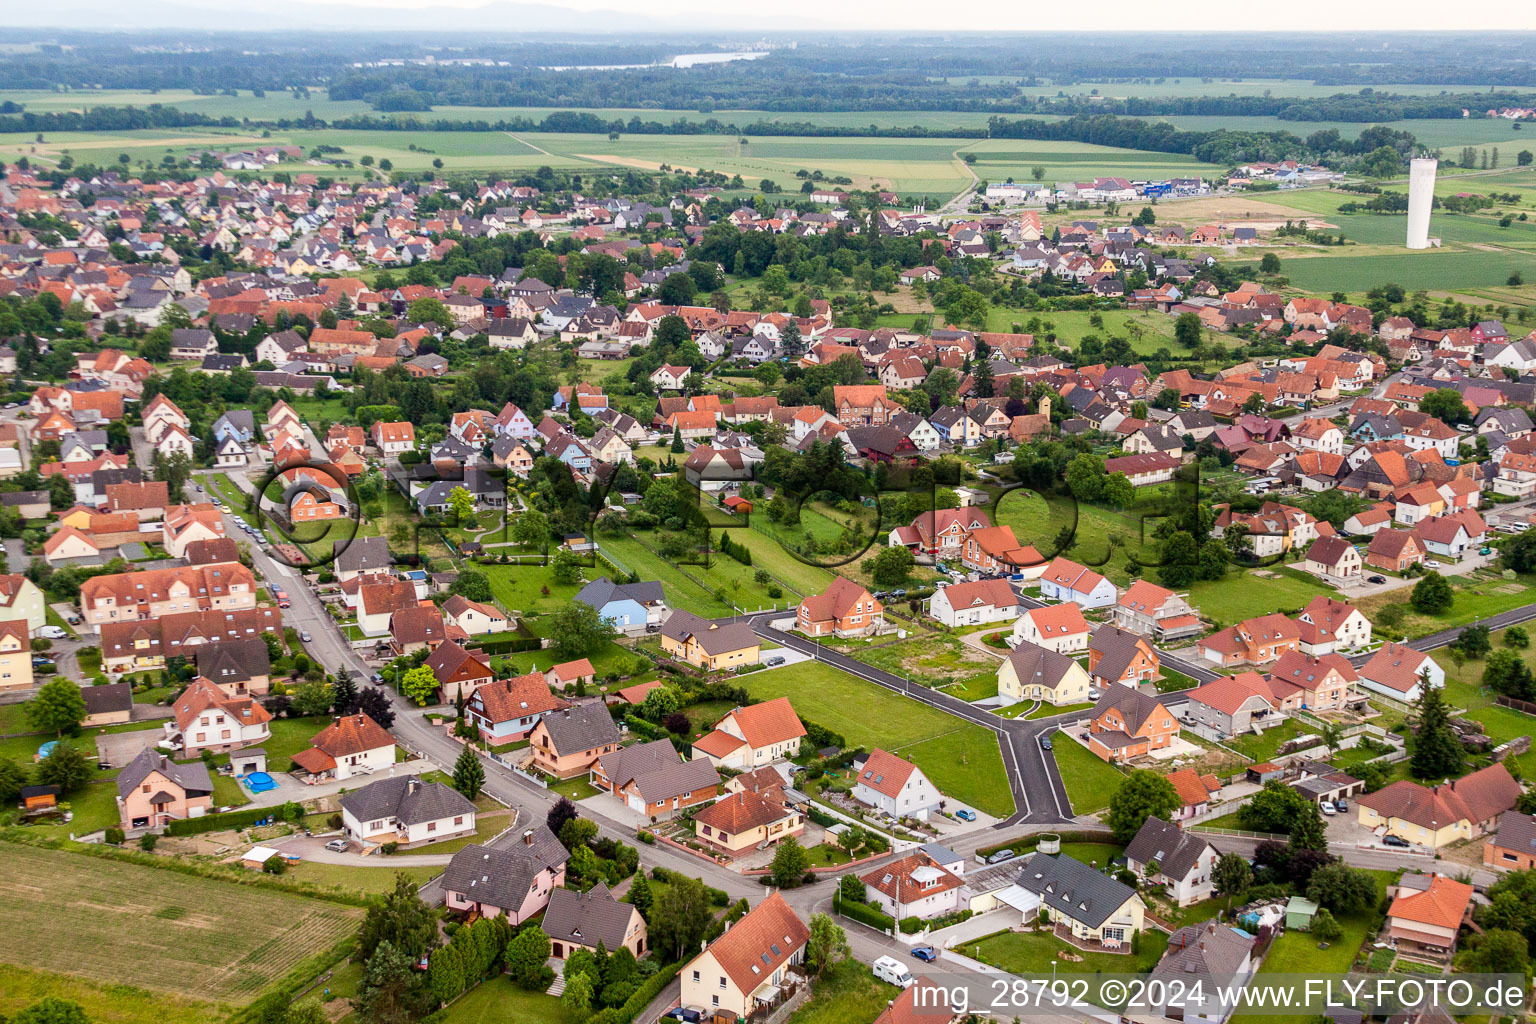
{"type": "Point", "coordinates": [938, 660]}
{"type": "Point", "coordinates": [122, 923]}
{"type": "Point", "coordinates": [498, 1000]}
{"type": "Point", "coordinates": [847, 994]}
{"type": "Point", "coordinates": [120, 1004]}
{"type": "Point", "coordinates": [963, 760]}
{"type": "Point", "coordinates": [1242, 594]}
{"type": "Point", "coordinates": [1033, 954]}
{"type": "Point", "coordinates": [1090, 782]}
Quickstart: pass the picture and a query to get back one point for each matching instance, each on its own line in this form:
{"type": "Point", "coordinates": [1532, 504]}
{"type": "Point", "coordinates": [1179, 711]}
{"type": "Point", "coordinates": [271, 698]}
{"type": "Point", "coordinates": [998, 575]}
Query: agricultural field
{"type": "Point", "coordinates": [122, 923]}
{"type": "Point", "coordinates": [963, 760]}
{"type": "Point", "coordinates": [122, 1004]}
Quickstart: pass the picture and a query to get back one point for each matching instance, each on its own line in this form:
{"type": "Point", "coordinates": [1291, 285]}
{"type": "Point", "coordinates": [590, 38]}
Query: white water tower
{"type": "Point", "coordinates": [1421, 194]}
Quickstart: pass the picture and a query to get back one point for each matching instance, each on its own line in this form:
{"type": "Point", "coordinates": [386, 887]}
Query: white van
{"type": "Point", "coordinates": [889, 969]}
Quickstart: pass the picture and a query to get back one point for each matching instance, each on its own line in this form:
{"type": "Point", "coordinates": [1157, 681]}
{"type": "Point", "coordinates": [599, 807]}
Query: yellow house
{"type": "Point", "coordinates": [739, 822]}
{"type": "Point", "coordinates": [1034, 673]}
{"type": "Point", "coordinates": [79, 517]}
{"type": "Point", "coordinates": [15, 656]}
{"type": "Point", "coordinates": [66, 543]}
{"type": "Point", "coordinates": [1077, 899]}
{"type": "Point", "coordinates": [707, 644]}
{"type": "Point", "coordinates": [1436, 815]}
{"type": "Point", "coordinates": [20, 598]}
{"type": "Point", "coordinates": [748, 965]}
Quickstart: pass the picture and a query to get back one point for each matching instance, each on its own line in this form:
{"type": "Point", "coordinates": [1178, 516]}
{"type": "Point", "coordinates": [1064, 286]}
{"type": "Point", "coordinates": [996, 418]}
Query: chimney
{"type": "Point", "coordinates": [412, 783]}
{"type": "Point", "coordinates": [527, 837]}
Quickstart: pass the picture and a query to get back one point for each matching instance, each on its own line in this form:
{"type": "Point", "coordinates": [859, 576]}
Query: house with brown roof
{"type": "Point", "coordinates": [567, 743]}
{"type": "Point", "coordinates": [1065, 580]}
{"type": "Point", "coordinates": [1229, 706]}
{"type": "Point", "coordinates": [651, 779]}
{"type": "Point", "coordinates": [206, 718]}
{"type": "Point", "coordinates": [746, 819]}
{"type": "Point", "coordinates": [1328, 626]}
{"type": "Point", "coordinates": [751, 964]}
{"type": "Point", "coordinates": [568, 674]}
{"type": "Point", "coordinates": [995, 549]}
{"type": "Point", "coordinates": [352, 745]}
{"type": "Point", "coordinates": [147, 500]}
{"type": "Point", "coordinates": [506, 710]}
{"type": "Point", "coordinates": [1394, 550]}
{"type": "Point", "coordinates": [716, 646]}
{"type": "Point", "coordinates": [1434, 816]}
{"type": "Point", "coordinates": [942, 532]}
{"type": "Point", "coordinates": [417, 628]}
{"type": "Point", "coordinates": [475, 618]}
{"type": "Point", "coordinates": [1060, 628]}
{"type": "Point", "coordinates": [1335, 559]}
{"type": "Point", "coordinates": [753, 736]}
{"type": "Point", "coordinates": [1127, 724]}
{"type": "Point", "coordinates": [843, 609]}
{"type": "Point", "coordinates": [377, 600]}
{"type": "Point", "coordinates": [917, 885]}
{"type": "Point", "coordinates": [1118, 655]}
{"type": "Point", "coordinates": [1324, 682]}
{"type": "Point", "coordinates": [974, 603]}
{"type": "Point", "coordinates": [156, 593]}
{"type": "Point", "coordinates": [1256, 641]}
{"type": "Point", "coordinates": [458, 671]}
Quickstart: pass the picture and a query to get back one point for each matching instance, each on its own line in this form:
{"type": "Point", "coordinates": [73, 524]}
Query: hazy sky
{"type": "Point", "coordinates": [1009, 15]}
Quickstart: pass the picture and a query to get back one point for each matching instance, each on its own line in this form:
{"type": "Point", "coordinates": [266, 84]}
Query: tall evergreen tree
{"type": "Point", "coordinates": [468, 773]}
{"type": "Point", "coordinates": [1437, 751]}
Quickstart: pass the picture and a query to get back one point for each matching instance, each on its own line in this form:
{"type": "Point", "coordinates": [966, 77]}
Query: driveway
{"type": "Point", "coordinates": [118, 748]}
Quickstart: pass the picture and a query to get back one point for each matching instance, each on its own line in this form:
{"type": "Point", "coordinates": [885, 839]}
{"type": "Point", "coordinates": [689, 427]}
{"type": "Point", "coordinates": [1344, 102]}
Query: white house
{"type": "Point", "coordinates": [971, 604]}
{"type": "Point", "coordinates": [914, 886]}
{"type": "Point", "coordinates": [407, 811]}
{"type": "Point", "coordinates": [1060, 628]}
{"type": "Point", "coordinates": [896, 786]}
{"type": "Point", "coordinates": [353, 745]}
{"type": "Point", "coordinates": [1065, 580]}
{"type": "Point", "coordinates": [1398, 671]}
{"type": "Point", "coordinates": [1183, 863]}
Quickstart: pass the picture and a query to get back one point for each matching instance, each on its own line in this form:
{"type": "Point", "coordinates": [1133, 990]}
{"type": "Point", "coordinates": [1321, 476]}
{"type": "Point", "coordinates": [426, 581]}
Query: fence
{"type": "Point", "coordinates": [1525, 707]}
{"type": "Point", "coordinates": [537, 780]}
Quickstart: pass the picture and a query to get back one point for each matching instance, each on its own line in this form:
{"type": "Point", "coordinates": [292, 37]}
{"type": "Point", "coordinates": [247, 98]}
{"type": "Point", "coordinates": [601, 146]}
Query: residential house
{"type": "Point", "coordinates": [350, 746]}
{"type": "Point", "coordinates": [1513, 846]}
{"type": "Point", "coordinates": [1434, 816]}
{"type": "Point", "coordinates": [1221, 957]}
{"type": "Point", "coordinates": [1399, 672]}
{"type": "Point", "coordinates": [896, 786]}
{"type": "Point", "coordinates": [753, 736]}
{"type": "Point", "coordinates": [405, 810]}
{"type": "Point", "coordinates": [1324, 681]}
{"type": "Point", "coordinates": [844, 609]}
{"type": "Point", "coordinates": [586, 920]}
{"type": "Point", "coordinates": [1182, 863]}
{"type": "Point", "coordinates": [974, 603]}
{"type": "Point", "coordinates": [153, 791]}
{"type": "Point", "coordinates": [746, 966]}
{"type": "Point", "coordinates": [1118, 655]}
{"type": "Point", "coordinates": [1427, 913]}
{"type": "Point", "coordinates": [747, 819]}
{"type": "Point", "coordinates": [1065, 580]}
{"type": "Point", "coordinates": [1335, 560]}
{"type": "Point", "coordinates": [1060, 628]}
{"type": "Point", "coordinates": [206, 718]}
{"type": "Point", "coordinates": [1032, 672]}
{"type": "Point", "coordinates": [568, 743]}
{"type": "Point", "coordinates": [1081, 901]}
{"type": "Point", "coordinates": [516, 880]}
{"type": "Point", "coordinates": [629, 606]}
{"type": "Point", "coordinates": [1126, 723]}
{"type": "Point", "coordinates": [1228, 706]}
{"type": "Point", "coordinates": [652, 780]}
{"type": "Point", "coordinates": [1328, 626]}
{"type": "Point", "coordinates": [1153, 611]}
{"type": "Point", "coordinates": [458, 671]}
{"type": "Point", "coordinates": [707, 644]}
{"type": "Point", "coordinates": [475, 618]}
{"type": "Point", "coordinates": [1256, 641]}
{"type": "Point", "coordinates": [154, 593]}
{"type": "Point", "coordinates": [1394, 550]}
{"type": "Point", "coordinates": [914, 886]}
{"type": "Point", "coordinates": [506, 710]}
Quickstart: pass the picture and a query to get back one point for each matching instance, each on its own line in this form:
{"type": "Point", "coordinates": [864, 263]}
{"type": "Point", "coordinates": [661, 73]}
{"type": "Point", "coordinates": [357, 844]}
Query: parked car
{"type": "Point", "coordinates": [52, 633]}
{"type": "Point", "coordinates": [337, 846]}
{"type": "Point", "coordinates": [1375, 579]}
{"type": "Point", "coordinates": [1485, 551]}
{"type": "Point", "coordinates": [1342, 806]}
{"type": "Point", "coordinates": [304, 635]}
{"type": "Point", "coordinates": [777, 659]}
{"type": "Point", "coordinates": [1327, 808]}
{"type": "Point", "coordinates": [377, 679]}
{"type": "Point", "coordinates": [1394, 841]}
{"type": "Point", "coordinates": [1045, 743]}
{"type": "Point", "coordinates": [898, 593]}
{"type": "Point", "coordinates": [685, 1014]}
{"type": "Point", "coordinates": [1000, 856]}
{"type": "Point", "coordinates": [927, 954]}
{"type": "Point", "coordinates": [1430, 563]}
{"type": "Point", "coordinates": [965, 814]}
{"type": "Point", "coordinates": [39, 660]}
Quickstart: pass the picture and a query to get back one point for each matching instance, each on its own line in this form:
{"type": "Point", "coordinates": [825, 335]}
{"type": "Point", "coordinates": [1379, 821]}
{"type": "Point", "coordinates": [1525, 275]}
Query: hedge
{"type": "Point", "coordinates": [510, 645]}
{"type": "Point", "coordinates": [639, 999]}
{"type": "Point", "coordinates": [863, 913]}
{"type": "Point", "coordinates": [232, 819]}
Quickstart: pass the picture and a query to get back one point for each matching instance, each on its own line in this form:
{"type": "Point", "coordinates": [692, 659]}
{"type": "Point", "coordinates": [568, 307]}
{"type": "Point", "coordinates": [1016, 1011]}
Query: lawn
{"type": "Point", "coordinates": [963, 760]}
{"type": "Point", "coordinates": [1031, 953]}
{"type": "Point", "coordinates": [1475, 597]}
{"type": "Point", "coordinates": [289, 736]}
{"type": "Point", "coordinates": [1050, 710]}
{"type": "Point", "coordinates": [847, 994]}
{"type": "Point", "coordinates": [574, 789]}
{"type": "Point", "coordinates": [123, 923]}
{"type": "Point", "coordinates": [1090, 782]}
{"type": "Point", "coordinates": [227, 792]}
{"type": "Point", "coordinates": [119, 1003]}
{"type": "Point", "coordinates": [686, 586]}
{"type": "Point", "coordinates": [362, 880]}
{"type": "Point", "coordinates": [1244, 594]}
{"type": "Point", "coordinates": [486, 827]}
{"type": "Point", "coordinates": [530, 588]}
{"type": "Point", "coordinates": [498, 1000]}
{"type": "Point", "coordinates": [936, 660]}
{"type": "Point", "coordinates": [1262, 748]}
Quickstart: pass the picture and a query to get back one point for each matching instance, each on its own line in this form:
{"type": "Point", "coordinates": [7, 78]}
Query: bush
{"type": "Point", "coordinates": [911, 925]}
{"type": "Point", "coordinates": [115, 836]}
{"type": "Point", "coordinates": [862, 913]}
{"type": "Point", "coordinates": [389, 848]}
{"type": "Point", "coordinates": [648, 838]}
{"type": "Point", "coordinates": [148, 841]}
{"type": "Point", "coordinates": [274, 865]}
{"type": "Point", "coordinates": [232, 819]}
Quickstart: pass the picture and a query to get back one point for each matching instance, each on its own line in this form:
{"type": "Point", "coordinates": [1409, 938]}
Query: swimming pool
{"type": "Point", "coordinates": [259, 782]}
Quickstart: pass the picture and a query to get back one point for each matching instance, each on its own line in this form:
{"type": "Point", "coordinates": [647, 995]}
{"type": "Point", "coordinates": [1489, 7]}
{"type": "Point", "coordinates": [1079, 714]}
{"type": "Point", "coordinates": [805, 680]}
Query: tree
{"type": "Point", "coordinates": [445, 973]}
{"type": "Point", "coordinates": [526, 954]}
{"type": "Point", "coordinates": [640, 895]}
{"type": "Point", "coordinates": [373, 703]}
{"type": "Point", "coordinates": [828, 944]}
{"type": "Point", "coordinates": [344, 692]}
{"type": "Point", "coordinates": [562, 812]}
{"type": "Point", "coordinates": [1325, 928]}
{"type": "Point", "coordinates": [398, 918]}
{"type": "Point", "coordinates": [1437, 751]}
{"type": "Point", "coordinates": [50, 1010]}
{"type": "Point", "coordinates": [1277, 808]}
{"type": "Point", "coordinates": [1497, 951]}
{"type": "Point", "coordinates": [1519, 553]}
{"type": "Point", "coordinates": [67, 767]}
{"type": "Point", "coordinates": [316, 698]}
{"type": "Point", "coordinates": [391, 993]}
{"type": "Point", "coordinates": [1474, 642]}
{"type": "Point", "coordinates": [531, 529]}
{"type": "Point", "coordinates": [565, 567]}
{"type": "Point", "coordinates": [462, 504]}
{"type": "Point", "coordinates": [1143, 794]}
{"type": "Point", "coordinates": [677, 441]}
{"type": "Point", "coordinates": [1270, 264]}
{"type": "Point", "coordinates": [12, 777]}
{"type": "Point", "coordinates": [579, 630]}
{"type": "Point", "coordinates": [680, 918]}
{"type": "Point", "coordinates": [1432, 595]}
{"type": "Point", "coordinates": [1186, 330]}
{"type": "Point", "coordinates": [1232, 876]}
{"type": "Point", "coordinates": [58, 707]}
{"type": "Point", "coordinates": [891, 566]}
{"type": "Point", "coordinates": [468, 773]}
{"type": "Point", "coordinates": [1445, 404]}
{"type": "Point", "coordinates": [418, 685]}
{"type": "Point", "coordinates": [473, 585]}
{"type": "Point", "coordinates": [1341, 888]}
{"type": "Point", "coordinates": [577, 997]}
{"type": "Point", "coordinates": [790, 863]}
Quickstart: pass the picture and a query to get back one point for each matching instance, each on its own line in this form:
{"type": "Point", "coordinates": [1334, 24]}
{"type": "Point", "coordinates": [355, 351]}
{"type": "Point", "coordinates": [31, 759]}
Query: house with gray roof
{"type": "Point", "coordinates": [1214, 953]}
{"type": "Point", "coordinates": [514, 880]}
{"type": "Point", "coordinates": [581, 920]}
{"type": "Point", "coordinates": [1090, 907]}
{"type": "Point", "coordinates": [407, 811]}
{"type": "Point", "coordinates": [363, 556]}
{"type": "Point", "coordinates": [568, 742]}
{"type": "Point", "coordinates": [153, 790]}
{"type": "Point", "coordinates": [629, 606]}
{"type": "Point", "coordinates": [652, 779]}
{"type": "Point", "coordinates": [1181, 862]}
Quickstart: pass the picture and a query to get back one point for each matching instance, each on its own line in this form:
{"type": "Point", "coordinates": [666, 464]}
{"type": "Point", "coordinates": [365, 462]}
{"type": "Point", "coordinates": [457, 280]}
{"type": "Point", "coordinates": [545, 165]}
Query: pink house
{"type": "Point", "coordinates": [154, 790]}
{"type": "Point", "coordinates": [514, 880]}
